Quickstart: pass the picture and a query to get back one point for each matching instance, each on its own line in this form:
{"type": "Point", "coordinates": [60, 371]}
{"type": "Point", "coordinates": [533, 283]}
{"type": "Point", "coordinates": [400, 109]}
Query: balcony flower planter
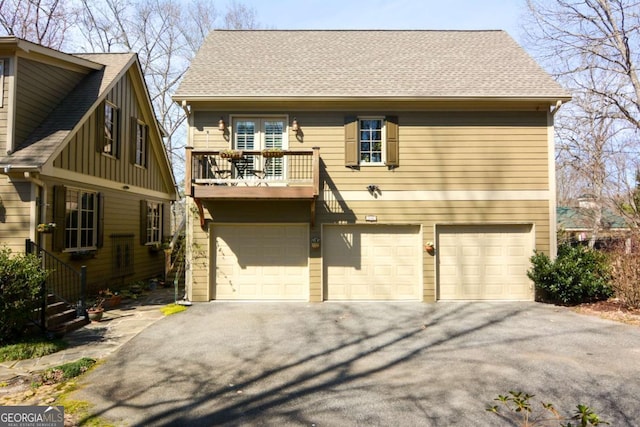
{"type": "Point", "coordinates": [46, 228]}
{"type": "Point", "coordinates": [231, 154]}
{"type": "Point", "coordinates": [272, 153]}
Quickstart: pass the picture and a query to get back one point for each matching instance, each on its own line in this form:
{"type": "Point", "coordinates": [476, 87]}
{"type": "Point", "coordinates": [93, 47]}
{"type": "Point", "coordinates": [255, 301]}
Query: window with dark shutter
{"type": "Point", "coordinates": [351, 141]}
{"type": "Point", "coordinates": [392, 149]}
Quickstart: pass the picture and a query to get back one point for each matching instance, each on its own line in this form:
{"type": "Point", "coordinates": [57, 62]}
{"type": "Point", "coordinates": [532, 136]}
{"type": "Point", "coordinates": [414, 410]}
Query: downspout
{"type": "Point", "coordinates": [553, 198]}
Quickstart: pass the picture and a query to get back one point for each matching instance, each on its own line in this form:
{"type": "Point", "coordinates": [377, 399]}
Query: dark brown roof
{"type": "Point", "coordinates": [384, 64]}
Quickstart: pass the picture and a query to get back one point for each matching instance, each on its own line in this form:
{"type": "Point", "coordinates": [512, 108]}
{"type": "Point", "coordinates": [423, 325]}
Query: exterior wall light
{"type": "Point", "coordinates": [221, 125]}
{"type": "Point", "coordinates": [294, 125]}
{"type": "Point", "coordinates": [315, 243]}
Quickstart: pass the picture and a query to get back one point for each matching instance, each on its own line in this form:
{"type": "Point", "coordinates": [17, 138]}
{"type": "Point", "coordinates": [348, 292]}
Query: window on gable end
{"type": "Point", "coordinates": [111, 125]}
{"type": "Point", "coordinates": [141, 143]}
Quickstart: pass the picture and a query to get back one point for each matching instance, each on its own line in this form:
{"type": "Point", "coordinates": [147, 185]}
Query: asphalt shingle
{"type": "Point", "coordinates": [389, 63]}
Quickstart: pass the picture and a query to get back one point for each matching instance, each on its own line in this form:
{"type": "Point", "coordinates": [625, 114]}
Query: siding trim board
{"type": "Point", "coordinates": [462, 195]}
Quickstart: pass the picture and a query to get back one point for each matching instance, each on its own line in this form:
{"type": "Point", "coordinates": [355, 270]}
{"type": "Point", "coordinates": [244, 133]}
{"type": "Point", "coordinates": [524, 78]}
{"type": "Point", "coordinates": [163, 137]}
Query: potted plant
{"type": "Point", "coordinates": [46, 228]}
{"type": "Point", "coordinates": [110, 299]}
{"type": "Point", "coordinates": [96, 311]}
{"type": "Point", "coordinates": [429, 248]}
{"type": "Point", "coordinates": [272, 152]}
{"type": "Point", "coordinates": [231, 154]}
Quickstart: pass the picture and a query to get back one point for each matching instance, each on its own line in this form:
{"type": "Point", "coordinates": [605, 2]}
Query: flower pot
{"type": "Point", "coordinates": [95, 314]}
{"type": "Point", "coordinates": [112, 301]}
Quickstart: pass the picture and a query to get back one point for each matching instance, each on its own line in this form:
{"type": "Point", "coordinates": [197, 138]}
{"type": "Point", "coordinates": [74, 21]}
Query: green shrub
{"type": "Point", "coordinates": [20, 278]}
{"type": "Point", "coordinates": [577, 275]}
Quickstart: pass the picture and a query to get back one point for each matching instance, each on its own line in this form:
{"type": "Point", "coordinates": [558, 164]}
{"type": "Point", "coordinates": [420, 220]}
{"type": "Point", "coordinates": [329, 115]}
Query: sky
{"type": "Point", "coordinates": [390, 14]}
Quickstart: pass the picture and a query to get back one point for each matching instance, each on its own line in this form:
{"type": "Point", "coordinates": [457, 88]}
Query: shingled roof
{"type": "Point", "coordinates": [67, 116]}
{"type": "Point", "coordinates": [371, 64]}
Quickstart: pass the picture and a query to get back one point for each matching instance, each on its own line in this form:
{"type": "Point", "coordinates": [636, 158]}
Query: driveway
{"type": "Point", "coordinates": [379, 364]}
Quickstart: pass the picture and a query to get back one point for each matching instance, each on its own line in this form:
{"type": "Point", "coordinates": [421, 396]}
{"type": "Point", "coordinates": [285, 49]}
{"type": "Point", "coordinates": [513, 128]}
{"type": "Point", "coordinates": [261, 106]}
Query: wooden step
{"type": "Point", "coordinates": [61, 317]}
{"type": "Point", "coordinates": [56, 307]}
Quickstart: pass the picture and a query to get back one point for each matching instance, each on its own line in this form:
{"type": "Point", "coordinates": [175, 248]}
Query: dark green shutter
{"type": "Point", "coordinates": [143, 221]}
{"type": "Point", "coordinates": [392, 146]}
{"type": "Point", "coordinates": [100, 236]}
{"type": "Point", "coordinates": [59, 217]}
{"type": "Point", "coordinates": [133, 142]}
{"type": "Point", "coordinates": [100, 128]}
{"type": "Point", "coordinates": [351, 141]}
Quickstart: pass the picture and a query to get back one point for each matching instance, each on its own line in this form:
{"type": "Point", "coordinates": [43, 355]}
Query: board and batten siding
{"type": "Point", "coordinates": [39, 89]}
{"type": "Point", "coordinates": [455, 167]}
{"type": "Point", "coordinates": [15, 213]}
{"type": "Point", "coordinates": [4, 104]}
{"type": "Point", "coordinates": [121, 217]}
{"type": "Point", "coordinates": [81, 154]}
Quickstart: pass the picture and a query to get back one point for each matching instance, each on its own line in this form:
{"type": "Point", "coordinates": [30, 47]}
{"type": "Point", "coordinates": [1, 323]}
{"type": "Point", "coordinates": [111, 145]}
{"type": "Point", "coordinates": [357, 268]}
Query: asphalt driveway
{"type": "Point", "coordinates": [374, 364]}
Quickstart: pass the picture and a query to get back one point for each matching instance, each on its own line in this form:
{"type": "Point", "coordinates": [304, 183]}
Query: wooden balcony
{"type": "Point", "coordinates": [246, 175]}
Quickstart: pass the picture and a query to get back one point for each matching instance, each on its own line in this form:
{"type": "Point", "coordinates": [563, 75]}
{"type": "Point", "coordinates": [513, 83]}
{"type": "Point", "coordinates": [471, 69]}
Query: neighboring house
{"type": "Point", "coordinates": [391, 140]}
{"type": "Point", "coordinates": [577, 224]}
{"type": "Point", "coordinates": [80, 148]}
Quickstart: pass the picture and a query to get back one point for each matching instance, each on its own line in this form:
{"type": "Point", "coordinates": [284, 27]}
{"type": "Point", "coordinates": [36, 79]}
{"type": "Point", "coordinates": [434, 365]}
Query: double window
{"type": "Point", "coordinates": [256, 134]}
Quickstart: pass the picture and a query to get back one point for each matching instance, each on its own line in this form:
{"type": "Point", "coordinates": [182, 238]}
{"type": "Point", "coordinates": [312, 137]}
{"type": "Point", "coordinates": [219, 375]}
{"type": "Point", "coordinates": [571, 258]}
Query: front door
{"type": "Point", "coordinates": [258, 134]}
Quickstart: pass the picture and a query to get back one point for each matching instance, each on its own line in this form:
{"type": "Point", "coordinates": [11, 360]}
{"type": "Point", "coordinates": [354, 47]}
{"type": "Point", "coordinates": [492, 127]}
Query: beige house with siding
{"type": "Point", "coordinates": [322, 164]}
{"type": "Point", "coordinates": [80, 148]}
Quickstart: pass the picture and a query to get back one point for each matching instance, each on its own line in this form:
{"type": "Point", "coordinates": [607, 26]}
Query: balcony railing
{"type": "Point", "coordinates": [252, 174]}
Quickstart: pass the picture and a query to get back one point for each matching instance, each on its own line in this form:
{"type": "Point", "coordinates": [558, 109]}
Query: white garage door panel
{"type": "Point", "coordinates": [258, 262]}
{"type": "Point", "coordinates": [372, 262]}
{"type": "Point", "coordinates": [484, 262]}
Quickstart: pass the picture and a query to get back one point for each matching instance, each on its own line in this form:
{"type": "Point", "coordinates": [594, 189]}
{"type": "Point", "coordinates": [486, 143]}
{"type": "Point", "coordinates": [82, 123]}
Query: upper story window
{"type": "Point", "coordinates": [371, 141]}
{"type": "Point", "coordinates": [261, 133]}
{"type": "Point", "coordinates": [141, 145]}
{"type": "Point", "coordinates": [1, 83]}
{"type": "Point", "coordinates": [111, 141]}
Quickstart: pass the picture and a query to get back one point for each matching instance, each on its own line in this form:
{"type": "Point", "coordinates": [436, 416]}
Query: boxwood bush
{"type": "Point", "coordinates": [20, 278]}
{"type": "Point", "coordinates": [577, 275]}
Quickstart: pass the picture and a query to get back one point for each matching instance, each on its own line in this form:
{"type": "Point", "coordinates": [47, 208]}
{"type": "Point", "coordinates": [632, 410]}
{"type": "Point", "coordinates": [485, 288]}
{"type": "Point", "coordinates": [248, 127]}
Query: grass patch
{"type": "Point", "coordinates": [68, 370]}
{"type": "Point", "coordinates": [172, 309]}
{"type": "Point", "coordinates": [30, 348]}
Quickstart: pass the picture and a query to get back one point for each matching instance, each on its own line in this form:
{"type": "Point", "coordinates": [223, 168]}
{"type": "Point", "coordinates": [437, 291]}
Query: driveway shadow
{"type": "Point", "coordinates": [364, 363]}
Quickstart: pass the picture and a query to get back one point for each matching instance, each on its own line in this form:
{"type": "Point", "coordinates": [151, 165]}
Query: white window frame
{"type": "Point", "coordinates": [142, 144]}
{"type": "Point", "coordinates": [1, 83]}
{"type": "Point", "coordinates": [259, 142]}
{"type": "Point", "coordinates": [112, 142]}
{"type": "Point", "coordinates": [79, 229]}
{"type": "Point", "coordinates": [154, 223]}
{"type": "Point", "coordinates": [383, 141]}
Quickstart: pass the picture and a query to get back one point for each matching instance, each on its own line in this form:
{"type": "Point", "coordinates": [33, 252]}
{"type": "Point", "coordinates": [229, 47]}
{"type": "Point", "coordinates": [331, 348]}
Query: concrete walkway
{"type": "Point", "coordinates": [98, 340]}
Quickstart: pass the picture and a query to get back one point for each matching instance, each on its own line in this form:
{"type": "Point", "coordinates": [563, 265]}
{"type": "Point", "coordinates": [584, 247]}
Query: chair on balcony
{"type": "Point", "coordinates": [213, 171]}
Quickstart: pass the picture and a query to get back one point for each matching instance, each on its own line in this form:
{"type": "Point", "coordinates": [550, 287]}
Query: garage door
{"type": "Point", "coordinates": [261, 262]}
{"type": "Point", "coordinates": [484, 262]}
{"type": "Point", "coordinates": [372, 262]}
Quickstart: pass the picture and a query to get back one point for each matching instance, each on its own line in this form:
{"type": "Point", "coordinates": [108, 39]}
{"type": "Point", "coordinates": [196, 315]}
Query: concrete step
{"type": "Point", "coordinates": [62, 317]}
